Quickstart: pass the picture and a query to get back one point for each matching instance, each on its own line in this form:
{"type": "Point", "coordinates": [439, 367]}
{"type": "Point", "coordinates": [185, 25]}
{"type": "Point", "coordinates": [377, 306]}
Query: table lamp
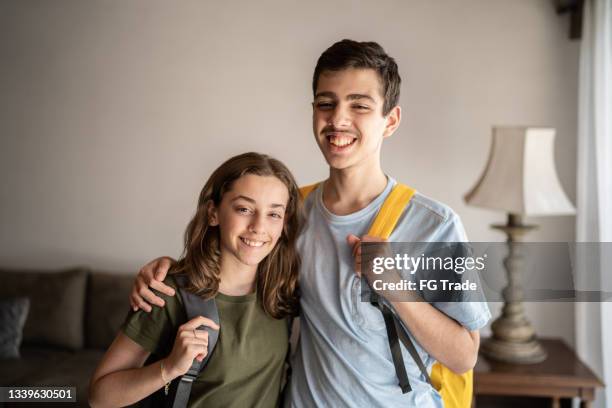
{"type": "Point", "coordinates": [519, 179]}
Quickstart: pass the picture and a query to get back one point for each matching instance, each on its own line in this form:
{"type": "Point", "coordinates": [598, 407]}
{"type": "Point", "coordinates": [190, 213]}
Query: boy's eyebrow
{"type": "Point", "coordinates": [250, 200]}
{"type": "Point", "coordinates": [350, 97]}
{"type": "Point", "coordinates": [325, 94]}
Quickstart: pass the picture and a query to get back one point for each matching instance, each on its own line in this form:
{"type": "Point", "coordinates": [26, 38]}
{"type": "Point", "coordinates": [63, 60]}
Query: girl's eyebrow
{"type": "Point", "coordinates": [250, 200]}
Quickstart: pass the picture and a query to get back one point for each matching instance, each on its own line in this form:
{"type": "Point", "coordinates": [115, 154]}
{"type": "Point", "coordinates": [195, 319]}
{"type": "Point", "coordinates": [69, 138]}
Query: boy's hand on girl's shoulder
{"type": "Point", "coordinates": [151, 276]}
{"type": "Point", "coordinates": [191, 343]}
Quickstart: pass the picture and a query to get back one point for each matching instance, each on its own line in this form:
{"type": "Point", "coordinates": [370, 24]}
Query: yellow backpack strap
{"type": "Point", "coordinates": [455, 389]}
{"type": "Point", "coordinates": [391, 211]}
{"type": "Point", "coordinates": [306, 190]}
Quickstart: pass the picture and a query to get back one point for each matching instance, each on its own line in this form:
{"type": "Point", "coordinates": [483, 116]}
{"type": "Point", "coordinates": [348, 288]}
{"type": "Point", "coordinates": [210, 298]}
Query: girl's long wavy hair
{"type": "Point", "coordinates": [277, 273]}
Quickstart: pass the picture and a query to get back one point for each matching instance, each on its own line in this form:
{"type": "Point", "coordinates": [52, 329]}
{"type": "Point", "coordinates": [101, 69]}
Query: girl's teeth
{"type": "Point", "coordinates": [252, 243]}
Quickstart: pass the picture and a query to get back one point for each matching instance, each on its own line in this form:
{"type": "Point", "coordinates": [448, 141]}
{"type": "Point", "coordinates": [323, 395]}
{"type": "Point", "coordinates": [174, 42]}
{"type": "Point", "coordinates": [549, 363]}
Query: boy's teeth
{"type": "Point", "coordinates": [252, 243]}
{"type": "Point", "coordinates": [341, 141]}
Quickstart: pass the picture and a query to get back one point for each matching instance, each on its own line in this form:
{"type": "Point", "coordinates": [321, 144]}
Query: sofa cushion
{"type": "Point", "coordinates": [57, 303]}
{"type": "Point", "coordinates": [13, 314]}
{"type": "Point", "coordinates": [48, 366]}
{"type": "Point", "coordinates": [107, 307]}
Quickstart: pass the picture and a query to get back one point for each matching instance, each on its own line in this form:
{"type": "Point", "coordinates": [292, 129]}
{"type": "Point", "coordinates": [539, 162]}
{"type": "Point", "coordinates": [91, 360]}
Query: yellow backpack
{"type": "Point", "coordinates": [455, 389]}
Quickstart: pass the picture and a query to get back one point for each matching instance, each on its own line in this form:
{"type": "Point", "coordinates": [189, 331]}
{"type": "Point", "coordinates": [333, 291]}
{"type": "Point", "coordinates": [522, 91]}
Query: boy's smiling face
{"type": "Point", "coordinates": [347, 118]}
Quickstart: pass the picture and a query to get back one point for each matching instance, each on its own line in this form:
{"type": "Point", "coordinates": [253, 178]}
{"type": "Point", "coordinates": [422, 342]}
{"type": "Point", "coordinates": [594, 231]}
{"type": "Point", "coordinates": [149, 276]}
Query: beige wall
{"type": "Point", "coordinates": [113, 113]}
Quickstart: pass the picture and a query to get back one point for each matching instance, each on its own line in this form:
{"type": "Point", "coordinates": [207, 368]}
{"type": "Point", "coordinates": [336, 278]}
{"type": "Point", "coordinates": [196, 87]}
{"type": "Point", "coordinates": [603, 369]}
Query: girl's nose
{"type": "Point", "coordinates": [256, 225]}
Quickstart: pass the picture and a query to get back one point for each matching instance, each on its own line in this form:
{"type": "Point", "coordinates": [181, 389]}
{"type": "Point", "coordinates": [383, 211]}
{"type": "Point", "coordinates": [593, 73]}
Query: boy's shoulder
{"type": "Point", "coordinates": [426, 219]}
{"type": "Point", "coordinates": [427, 206]}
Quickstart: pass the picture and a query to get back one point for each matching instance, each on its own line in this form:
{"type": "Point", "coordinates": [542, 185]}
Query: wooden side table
{"type": "Point", "coordinates": [561, 375]}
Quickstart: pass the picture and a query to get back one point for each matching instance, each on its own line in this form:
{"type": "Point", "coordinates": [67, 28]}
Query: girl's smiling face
{"type": "Point", "coordinates": [250, 218]}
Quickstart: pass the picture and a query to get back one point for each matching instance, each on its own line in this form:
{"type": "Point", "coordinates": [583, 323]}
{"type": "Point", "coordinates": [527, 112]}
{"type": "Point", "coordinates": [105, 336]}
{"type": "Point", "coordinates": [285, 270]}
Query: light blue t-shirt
{"type": "Point", "coordinates": [343, 356]}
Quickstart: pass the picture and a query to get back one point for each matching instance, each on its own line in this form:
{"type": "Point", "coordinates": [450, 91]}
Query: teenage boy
{"type": "Point", "coordinates": [343, 356]}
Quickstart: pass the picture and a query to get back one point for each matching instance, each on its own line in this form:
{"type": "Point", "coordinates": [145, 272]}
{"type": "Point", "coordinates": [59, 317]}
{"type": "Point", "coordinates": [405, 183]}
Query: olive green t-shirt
{"type": "Point", "coordinates": [246, 367]}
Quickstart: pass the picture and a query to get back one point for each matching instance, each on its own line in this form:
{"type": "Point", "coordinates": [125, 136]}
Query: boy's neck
{"type": "Point", "coordinates": [236, 279]}
{"type": "Point", "coordinates": [349, 190]}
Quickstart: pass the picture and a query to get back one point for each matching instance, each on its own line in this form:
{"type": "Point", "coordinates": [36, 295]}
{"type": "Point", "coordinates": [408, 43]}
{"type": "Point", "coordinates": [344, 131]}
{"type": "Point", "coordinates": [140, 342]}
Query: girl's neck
{"type": "Point", "coordinates": [236, 278]}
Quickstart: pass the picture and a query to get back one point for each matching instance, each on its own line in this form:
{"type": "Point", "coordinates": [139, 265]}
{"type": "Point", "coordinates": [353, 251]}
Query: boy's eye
{"type": "Point", "coordinates": [324, 105]}
{"type": "Point", "coordinates": [361, 107]}
{"type": "Point", "coordinates": [243, 210]}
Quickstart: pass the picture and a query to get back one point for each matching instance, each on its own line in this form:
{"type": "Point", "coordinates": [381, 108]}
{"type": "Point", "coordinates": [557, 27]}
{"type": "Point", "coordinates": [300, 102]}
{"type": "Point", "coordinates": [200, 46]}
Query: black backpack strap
{"type": "Point", "coordinates": [285, 387]}
{"type": "Point", "coordinates": [195, 306]}
{"type": "Point", "coordinates": [396, 332]}
{"type": "Point", "coordinates": [394, 345]}
{"type": "Point", "coordinates": [405, 339]}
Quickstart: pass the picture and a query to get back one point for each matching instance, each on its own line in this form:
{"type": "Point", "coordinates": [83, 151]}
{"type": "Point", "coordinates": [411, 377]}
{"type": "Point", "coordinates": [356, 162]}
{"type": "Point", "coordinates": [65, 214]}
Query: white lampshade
{"type": "Point", "coordinates": [520, 176]}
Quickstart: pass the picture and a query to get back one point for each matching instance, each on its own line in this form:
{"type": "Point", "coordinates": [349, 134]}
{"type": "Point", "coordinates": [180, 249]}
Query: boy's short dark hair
{"type": "Point", "coordinates": [353, 54]}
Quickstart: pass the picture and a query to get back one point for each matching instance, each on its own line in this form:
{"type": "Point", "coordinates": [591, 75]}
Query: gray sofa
{"type": "Point", "coordinates": [74, 316]}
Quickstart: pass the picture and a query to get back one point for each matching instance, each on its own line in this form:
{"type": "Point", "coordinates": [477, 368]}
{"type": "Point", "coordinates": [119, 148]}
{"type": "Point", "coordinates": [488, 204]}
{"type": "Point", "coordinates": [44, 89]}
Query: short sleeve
{"type": "Point", "coordinates": [472, 315]}
{"type": "Point", "coordinates": [155, 331]}
{"type": "Point", "coordinates": [451, 230]}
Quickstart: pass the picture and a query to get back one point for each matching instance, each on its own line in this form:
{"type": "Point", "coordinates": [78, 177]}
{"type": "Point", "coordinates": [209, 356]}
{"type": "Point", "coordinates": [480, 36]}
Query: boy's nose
{"type": "Point", "coordinates": [339, 118]}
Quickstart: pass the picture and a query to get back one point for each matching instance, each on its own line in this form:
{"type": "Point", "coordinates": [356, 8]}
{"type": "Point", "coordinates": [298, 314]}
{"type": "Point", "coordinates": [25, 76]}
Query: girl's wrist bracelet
{"type": "Point", "coordinates": [166, 383]}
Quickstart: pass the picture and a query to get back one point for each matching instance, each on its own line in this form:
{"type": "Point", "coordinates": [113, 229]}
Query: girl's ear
{"type": "Point", "coordinates": [213, 219]}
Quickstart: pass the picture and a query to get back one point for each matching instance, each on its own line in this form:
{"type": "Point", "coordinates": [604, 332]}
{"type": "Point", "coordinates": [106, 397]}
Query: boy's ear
{"type": "Point", "coordinates": [393, 120]}
{"type": "Point", "coordinates": [213, 219]}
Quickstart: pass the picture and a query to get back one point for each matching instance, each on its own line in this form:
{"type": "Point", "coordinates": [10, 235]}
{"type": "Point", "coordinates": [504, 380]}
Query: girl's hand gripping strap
{"type": "Point", "coordinates": [195, 306]}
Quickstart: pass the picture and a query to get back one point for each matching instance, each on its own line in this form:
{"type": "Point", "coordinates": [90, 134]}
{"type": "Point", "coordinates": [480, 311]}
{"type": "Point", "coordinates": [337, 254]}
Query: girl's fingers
{"type": "Point", "coordinates": [200, 321]}
{"type": "Point", "coordinates": [201, 334]}
{"type": "Point", "coordinates": [196, 350]}
{"type": "Point", "coordinates": [198, 334]}
{"type": "Point", "coordinates": [192, 341]}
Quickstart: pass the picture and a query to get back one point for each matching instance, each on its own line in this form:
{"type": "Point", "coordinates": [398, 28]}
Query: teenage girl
{"type": "Point", "coordinates": [239, 249]}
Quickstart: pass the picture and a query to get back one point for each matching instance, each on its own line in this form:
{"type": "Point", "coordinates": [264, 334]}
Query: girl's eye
{"type": "Point", "coordinates": [243, 210]}
{"type": "Point", "coordinates": [276, 215]}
